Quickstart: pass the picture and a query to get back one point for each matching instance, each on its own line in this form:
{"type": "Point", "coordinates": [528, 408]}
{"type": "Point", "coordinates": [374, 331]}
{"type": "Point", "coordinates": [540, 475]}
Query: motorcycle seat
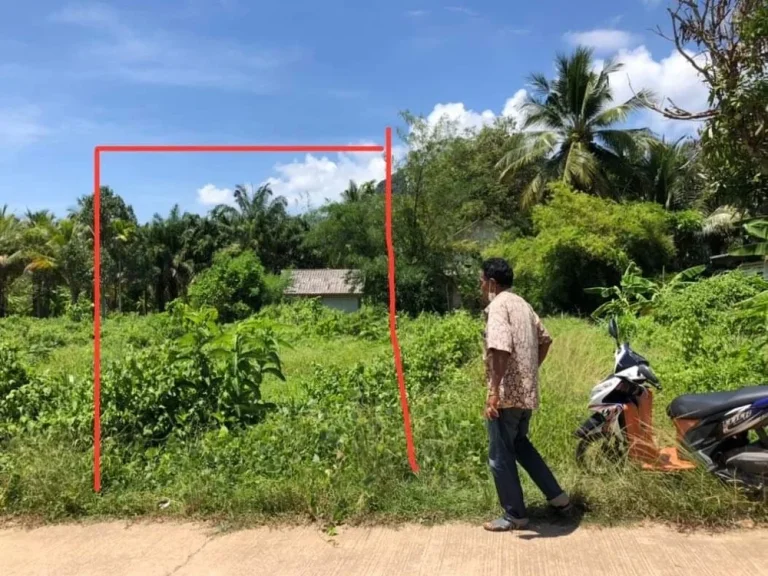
{"type": "Point", "coordinates": [696, 406]}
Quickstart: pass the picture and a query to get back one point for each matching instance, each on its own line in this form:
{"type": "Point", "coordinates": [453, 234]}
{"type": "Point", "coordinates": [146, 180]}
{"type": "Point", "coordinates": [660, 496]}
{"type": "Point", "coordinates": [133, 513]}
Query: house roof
{"type": "Point", "coordinates": [323, 283]}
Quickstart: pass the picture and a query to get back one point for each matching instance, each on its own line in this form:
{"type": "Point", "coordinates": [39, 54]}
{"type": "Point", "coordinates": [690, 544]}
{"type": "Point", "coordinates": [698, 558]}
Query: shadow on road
{"type": "Point", "coordinates": [548, 524]}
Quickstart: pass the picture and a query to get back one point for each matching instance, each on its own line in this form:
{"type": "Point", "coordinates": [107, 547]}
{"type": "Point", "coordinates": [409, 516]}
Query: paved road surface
{"type": "Point", "coordinates": [116, 549]}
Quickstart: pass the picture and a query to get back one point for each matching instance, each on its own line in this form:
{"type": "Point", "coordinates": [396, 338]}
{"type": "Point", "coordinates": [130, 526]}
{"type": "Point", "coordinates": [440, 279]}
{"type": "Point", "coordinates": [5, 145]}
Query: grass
{"type": "Point", "coordinates": [322, 456]}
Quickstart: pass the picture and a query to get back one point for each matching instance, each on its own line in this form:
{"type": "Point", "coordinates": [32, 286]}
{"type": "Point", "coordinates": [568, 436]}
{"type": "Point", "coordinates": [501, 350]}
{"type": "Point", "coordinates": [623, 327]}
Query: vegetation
{"type": "Point", "coordinates": [230, 402]}
{"type": "Point", "coordinates": [328, 444]}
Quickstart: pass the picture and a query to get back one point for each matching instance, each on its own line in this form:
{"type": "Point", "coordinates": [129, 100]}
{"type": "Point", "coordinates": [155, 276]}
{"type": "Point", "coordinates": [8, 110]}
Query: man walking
{"type": "Point", "coordinates": [515, 345]}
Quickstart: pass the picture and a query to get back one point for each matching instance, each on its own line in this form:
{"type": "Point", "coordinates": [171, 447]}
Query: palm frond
{"type": "Point", "coordinates": [722, 221]}
{"type": "Point", "coordinates": [619, 113]}
{"type": "Point", "coordinates": [623, 142]}
{"type": "Point", "coordinates": [581, 167]}
{"type": "Point", "coordinates": [527, 150]}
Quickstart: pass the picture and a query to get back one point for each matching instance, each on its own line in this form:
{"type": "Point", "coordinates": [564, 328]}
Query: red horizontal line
{"type": "Point", "coordinates": [236, 148]}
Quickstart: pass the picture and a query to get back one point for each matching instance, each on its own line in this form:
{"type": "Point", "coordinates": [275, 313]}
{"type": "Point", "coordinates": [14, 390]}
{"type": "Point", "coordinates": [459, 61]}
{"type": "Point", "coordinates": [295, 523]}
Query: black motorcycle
{"type": "Point", "coordinates": [725, 431]}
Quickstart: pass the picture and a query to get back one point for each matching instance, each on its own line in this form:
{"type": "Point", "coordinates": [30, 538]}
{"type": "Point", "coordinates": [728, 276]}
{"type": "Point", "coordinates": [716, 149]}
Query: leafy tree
{"type": "Point", "coordinates": [581, 241]}
{"type": "Point", "coordinates": [234, 285]}
{"type": "Point", "coordinates": [730, 38]}
{"type": "Point", "coordinates": [569, 131]}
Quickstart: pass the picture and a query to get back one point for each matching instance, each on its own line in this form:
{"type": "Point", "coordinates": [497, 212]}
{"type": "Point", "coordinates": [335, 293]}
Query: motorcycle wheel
{"type": "Point", "coordinates": [602, 452]}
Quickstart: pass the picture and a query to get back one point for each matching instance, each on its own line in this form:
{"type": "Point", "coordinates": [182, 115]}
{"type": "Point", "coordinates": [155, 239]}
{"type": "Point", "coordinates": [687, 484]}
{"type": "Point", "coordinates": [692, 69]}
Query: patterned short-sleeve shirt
{"type": "Point", "coordinates": [513, 327]}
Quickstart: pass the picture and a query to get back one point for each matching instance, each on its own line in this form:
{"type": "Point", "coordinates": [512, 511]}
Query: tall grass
{"type": "Point", "coordinates": [334, 449]}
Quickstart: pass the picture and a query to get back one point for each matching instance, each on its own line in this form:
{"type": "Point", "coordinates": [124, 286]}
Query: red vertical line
{"type": "Point", "coordinates": [393, 307]}
{"type": "Point", "coordinates": [96, 320]}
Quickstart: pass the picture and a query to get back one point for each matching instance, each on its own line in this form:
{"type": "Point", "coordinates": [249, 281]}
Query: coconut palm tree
{"type": "Point", "coordinates": [668, 174]}
{"type": "Point", "coordinates": [569, 129]}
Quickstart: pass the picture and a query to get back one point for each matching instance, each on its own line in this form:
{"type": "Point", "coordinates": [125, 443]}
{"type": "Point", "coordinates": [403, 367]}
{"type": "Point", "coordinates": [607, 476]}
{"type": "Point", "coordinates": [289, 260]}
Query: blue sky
{"type": "Point", "coordinates": [236, 71]}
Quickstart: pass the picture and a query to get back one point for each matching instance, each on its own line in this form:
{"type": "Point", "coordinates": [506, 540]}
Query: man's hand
{"type": "Point", "coordinates": [492, 407]}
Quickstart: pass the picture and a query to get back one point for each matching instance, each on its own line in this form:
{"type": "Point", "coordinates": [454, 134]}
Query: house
{"type": "Point", "coordinates": [339, 289]}
{"type": "Point", "coordinates": [751, 265]}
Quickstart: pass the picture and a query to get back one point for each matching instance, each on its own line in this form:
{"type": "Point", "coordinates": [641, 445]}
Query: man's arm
{"type": "Point", "coordinates": [499, 346]}
{"type": "Point", "coordinates": [545, 341]}
{"type": "Point", "coordinates": [499, 361]}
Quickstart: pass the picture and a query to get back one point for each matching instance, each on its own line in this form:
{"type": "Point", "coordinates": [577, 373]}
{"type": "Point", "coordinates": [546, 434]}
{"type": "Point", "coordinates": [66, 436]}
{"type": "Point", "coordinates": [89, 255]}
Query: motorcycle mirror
{"type": "Point", "coordinates": [613, 329]}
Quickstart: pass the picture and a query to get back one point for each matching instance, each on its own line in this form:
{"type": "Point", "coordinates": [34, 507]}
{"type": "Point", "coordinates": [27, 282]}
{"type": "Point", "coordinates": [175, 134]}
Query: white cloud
{"type": "Point", "coordinates": [456, 113]}
{"type": "Point", "coordinates": [416, 13]}
{"type": "Point", "coordinates": [464, 119]}
{"type": "Point", "coordinates": [319, 178]}
{"type": "Point", "coordinates": [210, 195]}
{"type": "Point", "coordinates": [672, 77]}
{"type": "Point", "coordinates": [21, 126]}
{"type": "Point", "coordinates": [157, 56]}
{"type": "Point", "coordinates": [462, 10]}
{"type": "Point", "coordinates": [602, 39]}
{"type": "Point", "coordinates": [512, 106]}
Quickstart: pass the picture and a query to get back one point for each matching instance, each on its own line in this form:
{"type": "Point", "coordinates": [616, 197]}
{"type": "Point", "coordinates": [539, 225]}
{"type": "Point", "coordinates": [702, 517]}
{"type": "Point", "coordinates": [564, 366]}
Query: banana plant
{"type": "Point", "coordinates": [636, 295]}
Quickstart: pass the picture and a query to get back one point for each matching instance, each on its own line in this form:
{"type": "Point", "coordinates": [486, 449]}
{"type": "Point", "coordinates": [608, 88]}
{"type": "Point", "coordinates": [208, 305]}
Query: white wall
{"type": "Point", "coordinates": [343, 303]}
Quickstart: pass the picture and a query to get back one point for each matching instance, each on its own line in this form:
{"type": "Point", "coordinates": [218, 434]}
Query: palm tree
{"type": "Point", "coordinates": [569, 128]}
{"type": "Point", "coordinates": [40, 257]}
{"type": "Point", "coordinates": [262, 223]}
{"type": "Point", "coordinates": [668, 173]}
{"type": "Point", "coordinates": [124, 232]}
{"type": "Point", "coordinates": [172, 266]}
{"type": "Point", "coordinates": [10, 255]}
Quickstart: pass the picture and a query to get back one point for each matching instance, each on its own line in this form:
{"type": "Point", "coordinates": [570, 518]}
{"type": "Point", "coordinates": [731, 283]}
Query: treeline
{"type": "Point", "coordinates": [571, 195]}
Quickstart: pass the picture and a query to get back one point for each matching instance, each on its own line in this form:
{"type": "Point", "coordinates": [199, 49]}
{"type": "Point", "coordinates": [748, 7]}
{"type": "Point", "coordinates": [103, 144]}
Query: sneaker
{"type": "Point", "coordinates": [506, 524]}
{"type": "Point", "coordinates": [562, 503]}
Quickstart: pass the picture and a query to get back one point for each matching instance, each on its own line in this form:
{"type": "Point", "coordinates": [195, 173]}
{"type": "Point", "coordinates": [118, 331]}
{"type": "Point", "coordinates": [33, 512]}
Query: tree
{"type": "Point", "coordinates": [261, 223]}
{"type": "Point", "coordinates": [74, 258]}
{"type": "Point", "coordinates": [582, 241]}
{"type": "Point", "coordinates": [172, 268]}
{"type": "Point", "coordinates": [234, 285]}
{"type": "Point", "coordinates": [668, 173]}
{"type": "Point", "coordinates": [569, 131]}
{"type": "Point", "coordinates": [40, 256]}
{"type": "Point", "coordinates": [10, 255]}
{"type": "Point", "coordinates": [730, 38]}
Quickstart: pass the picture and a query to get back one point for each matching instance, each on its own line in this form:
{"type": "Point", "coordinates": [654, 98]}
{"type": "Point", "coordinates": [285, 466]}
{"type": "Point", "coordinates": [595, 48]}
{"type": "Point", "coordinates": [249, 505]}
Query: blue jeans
{"type": "Point", "coordinates": [508, 445]}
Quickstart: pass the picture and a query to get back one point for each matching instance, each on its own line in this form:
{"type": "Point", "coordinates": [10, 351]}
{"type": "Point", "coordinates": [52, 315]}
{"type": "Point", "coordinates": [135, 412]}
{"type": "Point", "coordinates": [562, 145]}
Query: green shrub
{"type": "Point", "coordinates": [209, 376]}
{"type": "Point", "coordinates": [233, 285]}
{"type": "Point", "coordinates": [583, 241]}
{"type": "Point", "coordinates": [309, 316]}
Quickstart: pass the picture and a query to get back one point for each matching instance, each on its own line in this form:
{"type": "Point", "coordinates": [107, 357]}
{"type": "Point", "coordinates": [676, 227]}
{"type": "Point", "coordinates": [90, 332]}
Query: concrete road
{"type": "Point", "coordinates": [184, 549]}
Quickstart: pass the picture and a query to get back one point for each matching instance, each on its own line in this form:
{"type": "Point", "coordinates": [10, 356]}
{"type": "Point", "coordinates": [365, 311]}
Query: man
{"type": "Point", "coordinates": [516, 343]}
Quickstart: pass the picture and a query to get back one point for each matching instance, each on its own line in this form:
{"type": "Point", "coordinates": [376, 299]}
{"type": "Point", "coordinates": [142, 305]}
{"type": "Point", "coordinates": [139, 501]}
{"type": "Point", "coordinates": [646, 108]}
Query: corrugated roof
{"type": "Point", "coordinates": [323, 283]}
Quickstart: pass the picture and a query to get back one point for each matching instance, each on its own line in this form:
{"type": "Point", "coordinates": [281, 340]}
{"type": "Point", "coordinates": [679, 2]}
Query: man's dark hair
{"type": "Point", "coordinates": [499, 270]}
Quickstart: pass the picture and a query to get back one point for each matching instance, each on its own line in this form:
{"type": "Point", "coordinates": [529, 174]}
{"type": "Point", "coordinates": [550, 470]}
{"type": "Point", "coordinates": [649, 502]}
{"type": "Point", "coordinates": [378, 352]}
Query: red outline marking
{"type": "Point", "coordinates": [393, 307]}
{"type": "Point", "coordinates": [238, 148]}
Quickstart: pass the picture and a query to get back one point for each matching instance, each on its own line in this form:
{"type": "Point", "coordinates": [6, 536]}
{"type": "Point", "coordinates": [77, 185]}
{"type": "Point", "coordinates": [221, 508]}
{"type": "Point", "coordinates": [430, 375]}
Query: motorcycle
{"type": "Point", "coordinates": [726, 432]}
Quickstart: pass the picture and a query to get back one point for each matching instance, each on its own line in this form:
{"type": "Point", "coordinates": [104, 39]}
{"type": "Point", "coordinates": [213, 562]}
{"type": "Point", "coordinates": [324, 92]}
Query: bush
{"type": "Point", "coordinates": [311, 317]}
{"type": "Point", "coordinates": [209, 377]}
{"type": "Point", "coordinates": [582, 241]}
{"type": "Point", "coordinates": [234, 285]}
{"type": "Point", "coordinates": [274, 288]}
